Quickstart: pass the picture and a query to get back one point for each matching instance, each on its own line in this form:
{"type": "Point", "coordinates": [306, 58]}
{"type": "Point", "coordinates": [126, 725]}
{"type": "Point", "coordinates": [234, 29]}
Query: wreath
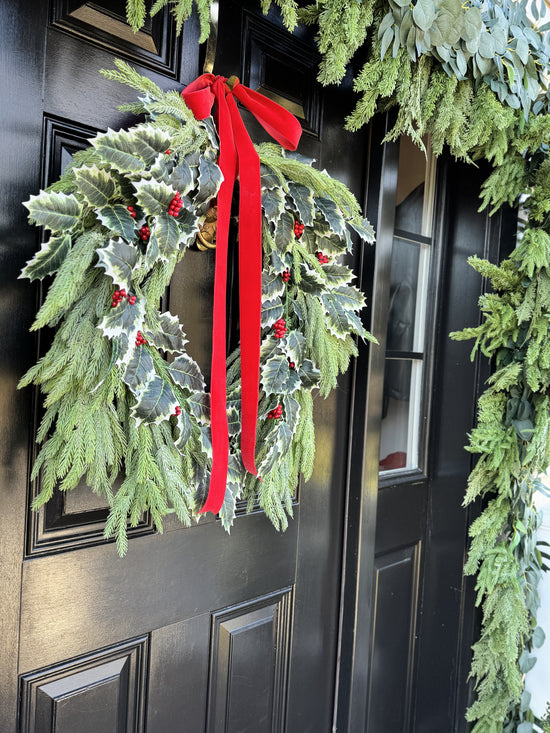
{"type": "Point", "coordinates": [125, 405]}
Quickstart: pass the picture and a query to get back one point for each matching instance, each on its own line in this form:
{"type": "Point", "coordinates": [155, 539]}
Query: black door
{"type": "Point", "coordinates": [194, 629]}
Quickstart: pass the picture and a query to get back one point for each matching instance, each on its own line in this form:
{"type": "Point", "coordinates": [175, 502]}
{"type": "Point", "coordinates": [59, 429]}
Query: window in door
{"type": "Point", "coordinates": [406, 363]}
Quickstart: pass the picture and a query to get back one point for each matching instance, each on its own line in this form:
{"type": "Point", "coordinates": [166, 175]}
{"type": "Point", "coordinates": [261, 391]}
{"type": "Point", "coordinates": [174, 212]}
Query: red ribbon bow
{"type": "Point", "coordinates": [237, 158]}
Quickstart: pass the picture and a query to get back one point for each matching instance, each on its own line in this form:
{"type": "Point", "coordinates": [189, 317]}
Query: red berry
{"type": "Point", "coordinates": [168, 151]}
{"type": "Point", "coordinates": [132, 211]}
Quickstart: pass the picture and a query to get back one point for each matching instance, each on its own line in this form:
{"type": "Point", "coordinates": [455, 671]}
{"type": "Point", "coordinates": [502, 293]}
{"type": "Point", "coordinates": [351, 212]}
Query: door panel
{"type": "Point", "coordinates": [235, 633]}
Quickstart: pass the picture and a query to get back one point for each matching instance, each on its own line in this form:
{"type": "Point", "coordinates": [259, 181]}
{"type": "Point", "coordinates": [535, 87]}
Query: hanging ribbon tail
{"type": "Point", "coordinates": [237, 157]}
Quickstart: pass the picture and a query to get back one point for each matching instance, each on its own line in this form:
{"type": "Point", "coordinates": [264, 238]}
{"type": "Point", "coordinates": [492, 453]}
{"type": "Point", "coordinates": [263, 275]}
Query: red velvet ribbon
{"type": "Point", "coordinates": [237, 158]}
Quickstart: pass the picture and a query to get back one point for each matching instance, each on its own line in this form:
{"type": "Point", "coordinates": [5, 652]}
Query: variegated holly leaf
{"type": "Point", "coordinates": [275, 375]}
{"type": "Point", "coordinates": [154, 196]}
{"type": "Point", "coordinates": [269, 179]}
{"type": "Point", "coordinates": [233, 420]}
{"type": "Point", "coordinates": [364, 229]}
{"type": "Point", "coordinates": [294, 345]}
{"type": "Point", "coordinates": [305, 159]}
{"type": "Point", "coordinates": [350, 296]}
{"type": "Point", "coordinates": [118, 219]}
{"type": "Point", "coordinates": [284, 436]}
{"type": "Point", "coordinates": [279, 262]}
{"type": "Point", "coordinates": [182, 177]}
{"type": "Point", "coordinates": [199, 404]}
{"type": "Point", "coordinates": [118, 149]}
{"type": "Point", "coordinates": [162, 168]}
{"type": "Point", "coordinates": [118, 259]}
{"type": "Point", "coordinates": [293, 381]}
{"type": "Point", "coordinates": [55, 211]}
{"type": "Point", "coordinates": [205, 440]}
{"type": "Point", "coordinates": [149, 141]}
{"type": "Point", "coordinates": [210, 180]}
{"type": "Point", "coordinates": [188, 225]}
{"type": "Point", "coordinates": [152, 254]}
{"type": "Point", "coordinates": [284, 232]}
{"type": "Point", "coordinates": [165, 234]}
{"type": "Point", "coordinates": [331, 214]}
{"type": "Point", "coordinates": [303, 199]}
{"type": "Point", "coordinates": [228, 508]}
{"type": "Point", "coordinates": [291, 410]}
{"type": "Point", "coordinates": [164, 331]}
{"type": "Point", "coordinates": [309, 374]}
{"type": "Point", "coordinates": [183, 430]}
{"type": "Point", "coordinates": [96, 185]}
{"type": "Point", "coordinates": [356, 326]}
{"type": "Point", "coordinates": [186, 373]}
{"type": "Point", "coordinates": [155, 403]}
{"type": "Point", "coordinates": [48, 259]}
{"type": "Point", "coordinates": [139, 370]}
{"type": "Point", "coordinates": [272, 310]}
{"type": "Point", "coordinates": [125, 318]}
{"type": "Point", "coordinates": [272, 284]}
{"type": "Point", "coordinates": [337, 275]}
{"type": "Point", "coordinates": [210, 127]}
{"type": "Point", "coordinates": [273, 203]}
{"type": "Point", "coordinates": [336, 315]}
{"type": "Point", "coordinates": [269, 347]}
{"type": "Point", "coordinates": [311, 281]}
{"type": "Point", "coordinates": [330, 244]}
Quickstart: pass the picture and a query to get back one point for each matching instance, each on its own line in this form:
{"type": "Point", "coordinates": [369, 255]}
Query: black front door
{"type": "Point", "coordinates": [194, 630]}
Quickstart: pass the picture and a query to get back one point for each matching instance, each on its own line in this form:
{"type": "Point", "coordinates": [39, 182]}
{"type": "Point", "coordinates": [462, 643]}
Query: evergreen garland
{"type": "Point", "coordinates": [121, 218]}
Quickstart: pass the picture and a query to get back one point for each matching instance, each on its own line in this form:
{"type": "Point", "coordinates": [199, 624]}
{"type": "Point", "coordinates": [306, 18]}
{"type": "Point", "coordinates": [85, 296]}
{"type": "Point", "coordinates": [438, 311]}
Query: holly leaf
{"type": "Point", "coordinates": [165, 332]}
{"type": "Point", "coordinates": [270, 346]}
{"type": "Point", "coordinates": [303, 199]}
{"type": "Point", "coordinates": [291, 408]}
{"type": "Point", "coordinates": [118, 259]}
{"type": "Point", "coordinates": [210, 180]}
{"type": "Point", "coordinates": [48, 259]}
{"type": "Point", "coordinates": [186, 373]}
{"type": "Point", "coordinates": [182, 178]}
{"type": "Point", "coordinates": [311, 281]}
{"type": "Point", "coordinates": [199, 404]}
{"type": "Point", "coordinates": [284, 232]}
{"type": "Point", "coordinates": [350, 297]}
{"type": "Point", "coordinates": [97, 186]}
{"type": "Point", "coordinates": [152, 254]}
{"type": "Point", "coordinates": [331, 214]}
{"type": "Point", "coordinates": [139, 370]}
{"type": "Point", "coordinates": [166, 234]}
{"type": "Point", "coordinates": [309, 374]}
{"type": "Point", "coordinates": [183, 430]}
{"type": "Point", "coordinates": [364, 229]}
{"type": "Point", "coordinates": [124, 319]}
{"type": "Point", "coordinates": [294, 344]}
{"type": "Point", "coordinates": [154, 196]}
{"type": "Point", "coordinates": [118, 149]}
{"type": "Point", "coordinates": [330, 244]}
{"type": "Point", "coordinates": [293, 155]}
{"type": "Point", "coordinates": [293, 381]}
{"type": "Point", "coordinates": [274, 375]}
{"type": "Point", "coordinates": [118, 219]}
{"type": "Point", "coordinates": [233, 420]}
{"type": "Point", "coordinates": [269, 179]}
{"type": "Point", "coordinates": [228, 508]}
{"type": "Point", "coordinates": [272, 284]}
{"type": "Point", "coordinates": [284, 436]}
{"type": "Point", "coordinates": [188, 226]}
{"type": "Point", "coordinates": [149, 141]}
{"type": "Point", "coordinates": [337, 275]}
{"type": "Point", "coordinates": [55, 211]}
{"type": "Point", "coordinates": [336, 316]}
{"type": "Point", "coordinates": [155, 403]}
{"type": "Point", "coordinates": [272, 310]}
{"type": "Point", "coordinates": [273, 202]}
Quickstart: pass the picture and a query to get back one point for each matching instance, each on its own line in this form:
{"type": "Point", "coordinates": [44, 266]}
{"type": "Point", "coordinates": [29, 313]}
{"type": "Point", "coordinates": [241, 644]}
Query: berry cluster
{"type": "Point", "coordinates": [144, 233]}
{"type": "Point", "coordinates": [280, 328]}
{"type": "Point", "coordinates": [177, 411]}
{"type": "Point", "coordinates": [119, 295]}
{"type": "Point", "coordinates": [276, 413]}
{"type": "Point", "coordinates": [298, 229]}
{"type": "Point", "coordinates": [291, 364]}
{"type": "Point", "coordinates": [140, 341]}
{"type": "Point", "coordinates": [323, 259]}
{"type": "Point", "coordinates": [175, 205]}
{"type": "Point", "coordinates": [286, 275]}
{"type": "Point", "coordinates": [132, 211]}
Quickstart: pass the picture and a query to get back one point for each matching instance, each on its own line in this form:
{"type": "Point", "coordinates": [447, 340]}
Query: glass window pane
{"type": "Point", "coordinates": [411, 179]}
{"type": "Point", "coordinates": [401, 413]}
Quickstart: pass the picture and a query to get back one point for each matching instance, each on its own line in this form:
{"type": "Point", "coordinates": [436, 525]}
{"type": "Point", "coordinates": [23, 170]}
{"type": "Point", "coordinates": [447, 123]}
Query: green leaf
{"type": "Point", "coordinates": [303, 199]}
{"type": "Point", "coordinates": [154, 197]}
{"type": "Point", "coordinates": [139, 370]}
{"type": "Point", "coordinates": [272, 310]}
{"type": "Point", "coordinates": [166, 234]}
{"type": "Point", "coordinates": [199, 404]}
{"type": "Point", "coordinates": [182, 178]}
{"type": "Point", "coordinates": [364, 229]}
{"type": "Point", "coordinates": [165, 332]}
{"type": "Point", "coordinates": [210, 180]}
{"type": "Point", "coordinates": [350, 297]}
{"type": "Point", "coordinates": [269, 179]}
{"type": "Point", "coordinates": [331, 214]}
{"type": "Point", "coordinates": [119, 220]}
{"type": "Point", "coordinates": [185, 372]}
{"type": "Point", "coordinates": [48, 259]}
{"type": "Point", "coordinates": [272, 284]}
{"type": "Point", "coordinates": [311, 281]}
{"type": "Point", "coordinates": [149, 141]}
{"type": "Point", "coordinates": [526, 662]}
{"type": "Point", "coordinates": [124, 319]}
{"type": "Point", "coordinates": [56, 211]}
{"type": "Point", "coordinates": [284, 233]}
{"type": "Point", "coordinates": [274, 375]}
{"type": "Point", "coordinates": [117, 148]}
{"type": "Point", "coordinates": [273, 203]}
{"type": "Point", "coordinates": [525, 727]}
{"type": "Point", "coordinates": [294, 345]}
{"type": "Point", "coordinates": [291, 409]}
{"type": "Point", "coordinates": [188, 226]}
{"type": "Point", "coordinates": [539, 637]}
{"type": "Point", "coordinates": [118, 259]}
{"type": "Point", "coordinates": [183, 430]}
{"type": "Point", "coordinates": [336, 316]}
{"type": "Point", "coordinates": [309, 374]}
{"type": "Point", "coordinates": [337, 275]}
{"type": "Point", "coordinates": [97, 186]}
{"type": "Point", "coordinates": [424, 14]}
{"type": "Point", "coordinates": [473, 23]}
{"type": "Point", "coordinates": [155, 403]}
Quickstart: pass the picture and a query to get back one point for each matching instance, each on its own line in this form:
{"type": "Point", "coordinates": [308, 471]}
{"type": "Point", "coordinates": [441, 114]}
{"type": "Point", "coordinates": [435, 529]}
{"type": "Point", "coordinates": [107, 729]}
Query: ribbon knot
{"type": "Point", "coordinates": [237, 157]}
